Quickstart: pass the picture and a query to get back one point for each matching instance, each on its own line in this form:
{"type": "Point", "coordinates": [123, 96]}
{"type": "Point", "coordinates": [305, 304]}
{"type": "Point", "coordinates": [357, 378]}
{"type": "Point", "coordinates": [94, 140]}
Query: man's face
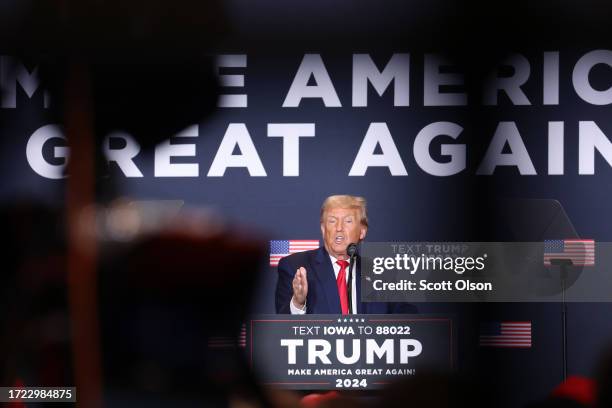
{"type": "Point", "coordinates": [340, 227]}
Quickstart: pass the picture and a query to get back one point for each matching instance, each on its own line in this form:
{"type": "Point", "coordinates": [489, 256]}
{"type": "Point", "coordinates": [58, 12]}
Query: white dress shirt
{"type": "Point", "coordinates": [295, 310]}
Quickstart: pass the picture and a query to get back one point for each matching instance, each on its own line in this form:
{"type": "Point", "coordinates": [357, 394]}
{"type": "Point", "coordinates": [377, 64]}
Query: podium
{"type": "Point", "coordinates": [333, 352]}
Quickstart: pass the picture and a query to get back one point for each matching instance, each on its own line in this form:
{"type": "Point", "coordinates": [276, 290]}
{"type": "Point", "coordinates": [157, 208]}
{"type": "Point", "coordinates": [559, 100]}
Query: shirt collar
{"type": "Point", "coordinates": [333, 259]}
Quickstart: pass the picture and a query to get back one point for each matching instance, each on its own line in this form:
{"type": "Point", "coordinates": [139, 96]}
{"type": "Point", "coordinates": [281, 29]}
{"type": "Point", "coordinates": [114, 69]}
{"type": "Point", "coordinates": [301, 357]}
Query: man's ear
{"type": "Point", "coordinates": [362, 233]}
{"type": "Point", "coordinates": [322, 231]}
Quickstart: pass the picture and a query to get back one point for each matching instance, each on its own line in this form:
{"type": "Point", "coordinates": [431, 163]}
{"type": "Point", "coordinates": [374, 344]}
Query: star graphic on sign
{"type": "Point", "coordinates": [339, 320]}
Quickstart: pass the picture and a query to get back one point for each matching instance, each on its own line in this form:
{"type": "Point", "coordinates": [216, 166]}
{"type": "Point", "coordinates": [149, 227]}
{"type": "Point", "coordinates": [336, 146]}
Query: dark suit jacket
{"type": "Point", "coordinates": [322, 295]}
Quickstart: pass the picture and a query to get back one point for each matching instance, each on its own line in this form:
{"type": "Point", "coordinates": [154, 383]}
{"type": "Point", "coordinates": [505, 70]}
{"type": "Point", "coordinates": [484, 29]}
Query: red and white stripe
{"type": "Point", "coordinates": [295, 245]}
{"type": "Point", "coordinates": [224, 342]}
{"type": "Point", "coordinates": [275, 258]}
{"type": "Point", "coordinates": [301, 245]}
{"type": "Point", "coordinates": [513, 334]}
{"type": "Point", "coordinates": [579, 251]}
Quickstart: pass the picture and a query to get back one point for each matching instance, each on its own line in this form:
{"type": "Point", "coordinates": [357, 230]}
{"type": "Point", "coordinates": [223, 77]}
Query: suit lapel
{"type": "Point", "coordinates": [326, 277]}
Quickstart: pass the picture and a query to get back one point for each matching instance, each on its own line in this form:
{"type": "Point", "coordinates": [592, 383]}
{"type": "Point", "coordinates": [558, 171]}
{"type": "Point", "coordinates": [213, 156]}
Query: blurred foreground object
{"type": "Point", "coordinates": [579, 389]}
{"type": "Point", "coordinates": [111, 65]}
{"type": "Point", "coordinates": [148, 64]}
{"type": "Point", "coordinates": [163, 296]}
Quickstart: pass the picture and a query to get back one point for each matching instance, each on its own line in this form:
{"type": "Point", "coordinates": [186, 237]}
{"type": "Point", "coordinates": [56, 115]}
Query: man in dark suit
{"type": "Point", "coordinates": [316, 281]}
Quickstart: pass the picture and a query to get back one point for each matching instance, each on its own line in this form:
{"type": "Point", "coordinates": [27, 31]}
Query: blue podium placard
{"type": "Point", "coordinates": [318, 352]}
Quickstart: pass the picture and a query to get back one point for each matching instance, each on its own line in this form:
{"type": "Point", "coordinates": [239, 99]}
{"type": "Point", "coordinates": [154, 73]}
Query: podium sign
{"type": "Point", "coordinates": [318, 352]}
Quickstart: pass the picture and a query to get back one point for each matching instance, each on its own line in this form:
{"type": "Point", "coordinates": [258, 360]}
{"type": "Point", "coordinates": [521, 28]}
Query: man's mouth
{"type": "Point", "coordinates": [338, 239]}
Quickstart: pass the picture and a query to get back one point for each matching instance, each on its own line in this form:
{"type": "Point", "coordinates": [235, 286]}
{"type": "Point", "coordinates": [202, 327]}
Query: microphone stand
{"type": "Point", "coordinates": [349, 287]}
{"type": "Point", "coordinates": [563, 264]}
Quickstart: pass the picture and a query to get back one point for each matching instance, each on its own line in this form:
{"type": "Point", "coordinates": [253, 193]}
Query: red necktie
{"type": "Point", "coordinates": [341, 281]}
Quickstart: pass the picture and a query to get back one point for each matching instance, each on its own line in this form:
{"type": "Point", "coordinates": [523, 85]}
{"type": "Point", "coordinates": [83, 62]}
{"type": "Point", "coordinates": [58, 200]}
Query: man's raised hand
{"type": "Point", "coordinates": [300, 288]}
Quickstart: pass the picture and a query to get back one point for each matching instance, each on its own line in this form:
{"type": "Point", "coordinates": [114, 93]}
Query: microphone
{"type": "Point", "coordinates": [351, 251]}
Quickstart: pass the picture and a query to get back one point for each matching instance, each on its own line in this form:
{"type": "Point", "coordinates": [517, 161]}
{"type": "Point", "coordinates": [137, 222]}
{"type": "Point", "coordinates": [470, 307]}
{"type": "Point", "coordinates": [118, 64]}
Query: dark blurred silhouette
{"type": "Point", "coordinates": [132, 65]}
{"type": "Point", "coordinates": [435, 391]}
{"type": "Point", "coordinates": [604, 380]}
{"type": "Point", "coordinates": [34, 319]}
{"type": "Point", "coordinates": [163, 298]}
{"type": "Point", "coordinates": [148, 65]}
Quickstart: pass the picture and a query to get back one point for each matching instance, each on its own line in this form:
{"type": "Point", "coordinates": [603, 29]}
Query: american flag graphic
{"type": "Point", "coordinates": [579, 251]}
{"type": "Point", "coordinates": [280, 249]}
{"type": "Point", "coordinates": [229, 341]}
{"type": "Point", "coordinates": [505, 334]}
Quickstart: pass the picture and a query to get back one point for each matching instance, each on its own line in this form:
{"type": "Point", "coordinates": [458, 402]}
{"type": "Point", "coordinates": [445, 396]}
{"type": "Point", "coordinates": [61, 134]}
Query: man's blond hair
{"type": "Point", "coordinates": [346, 201]}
